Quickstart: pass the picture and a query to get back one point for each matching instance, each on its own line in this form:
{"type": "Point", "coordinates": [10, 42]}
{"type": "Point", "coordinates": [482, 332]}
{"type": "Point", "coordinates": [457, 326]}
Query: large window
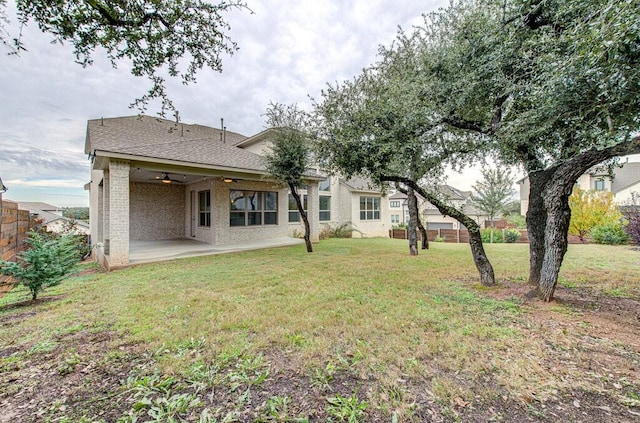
{"type": "Point", "coordinates": [204, 208]}
{"type": "Point", "coordinates": [325, 208]}
{"type": "Point", "coordinates": [369, 208]}
{"type": "Point", "coordinates": [395, 219]}
{"type": "Point", "coordinates": [294, 214]}
{"type": "Point", "coordinates": [599, 184]}
{"type": "Point", "coordinates": [253, 208]}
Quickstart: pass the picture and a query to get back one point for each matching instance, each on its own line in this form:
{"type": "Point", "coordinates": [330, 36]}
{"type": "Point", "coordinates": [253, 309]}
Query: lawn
{"type": "Point", "coordinates": [357, 331]}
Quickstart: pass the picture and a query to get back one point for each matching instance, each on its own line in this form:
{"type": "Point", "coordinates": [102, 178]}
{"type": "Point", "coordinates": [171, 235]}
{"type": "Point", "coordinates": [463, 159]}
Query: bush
{"type": "Point", "coordinates": [46, 262]}
{"type": "Point", "coordinates": [343, 230]}
{"type": "Point", "coordinates": [517, 221]}
{"type": "Point", "coordinates": [511, 235]}
{"type": "Point", "coordinates": [610, 233]}
{"type": "Point", "coordinates": [486, 236]}
{"type": "Point", "coordinates": [500, 235]}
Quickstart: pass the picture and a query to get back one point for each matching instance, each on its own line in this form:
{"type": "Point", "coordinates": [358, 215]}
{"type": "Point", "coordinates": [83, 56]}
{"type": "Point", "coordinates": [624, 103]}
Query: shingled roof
{"type": "Point", "coordinates": [155, 138]}
{"type": "Point", "coordinates": [626, 176]}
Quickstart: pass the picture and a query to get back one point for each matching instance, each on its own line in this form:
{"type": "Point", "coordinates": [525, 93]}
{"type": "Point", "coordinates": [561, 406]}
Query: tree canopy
{"type": "Point", "coordinates": [174, 38]}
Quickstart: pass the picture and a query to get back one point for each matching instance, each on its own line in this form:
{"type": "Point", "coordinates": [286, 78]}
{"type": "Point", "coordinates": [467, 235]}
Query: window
{"type": "Point", "coordinates": [599, 185]}
{"type": "Point", "coordinates": [294, 214]}
{"type": "Point", "coordinates": [325, 208]}
{"type": "Point", "coordinates": [253, 208]}
{"type": "Point", "coordinates": [204, 208]}
{"type": "Point", "coordinates": [325, 185]}
{"type": "Point", "coordinates": [395, 218]}
{"type": "Point", "coordinates": [369, 208]}
{"type": "Point", "coordinates": [394, 204]}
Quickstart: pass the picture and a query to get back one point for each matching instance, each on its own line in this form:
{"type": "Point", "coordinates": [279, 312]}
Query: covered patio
{"type": "Point", "coordinates": [163, 250]}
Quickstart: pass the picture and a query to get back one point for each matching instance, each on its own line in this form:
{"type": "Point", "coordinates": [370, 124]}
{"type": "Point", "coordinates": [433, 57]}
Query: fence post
{"type": "Point", "coordinates": [17, 233]}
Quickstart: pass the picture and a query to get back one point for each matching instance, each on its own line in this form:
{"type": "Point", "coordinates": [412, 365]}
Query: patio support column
{"type": "Point", "coordinates": [95, 206]}
{"type": "Point", "coordinates": [106, 183]}
{"type": "Point", "coordinates": [118, 213]}
{"type": "Point", "coordinates": [313, 210]}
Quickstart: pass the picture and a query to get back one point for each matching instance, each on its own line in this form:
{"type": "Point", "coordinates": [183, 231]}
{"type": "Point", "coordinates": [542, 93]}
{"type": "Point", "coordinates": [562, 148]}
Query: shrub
{"type": "Point", "coordinates": [610, 233]}
{"type": "Point", "coordinates": [511, 235]}
{"type": "Point", "coordinates": [46, 262]}
{"type": "Point", "coordinates": [632, 214]}
{"type": "Point", "coordinates": [517, 221]}
{"type": "Point", "coordinates": [486, 236]}
{"type": "Point", "coordinates": [343, 230]}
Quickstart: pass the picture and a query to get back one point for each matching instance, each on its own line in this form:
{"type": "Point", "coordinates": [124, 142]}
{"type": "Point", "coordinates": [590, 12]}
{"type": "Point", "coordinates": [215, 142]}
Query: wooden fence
{"type": "Point", "coordinates": [14, 228]}
{"type": "Point", "coordinates": [462, 235]}
{"type": "Point", "coordinates": [447, 235]}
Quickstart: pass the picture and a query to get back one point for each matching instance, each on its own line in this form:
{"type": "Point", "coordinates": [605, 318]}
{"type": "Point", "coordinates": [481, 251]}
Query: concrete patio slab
{"type": "Point", "coordinates": [170, 249]}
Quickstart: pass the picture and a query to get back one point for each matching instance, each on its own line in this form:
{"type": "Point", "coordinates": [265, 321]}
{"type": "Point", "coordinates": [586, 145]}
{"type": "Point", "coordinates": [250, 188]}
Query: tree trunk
{"type": "Point", "coordinates": [423, 233]}
{"type": "Point", "coordinates": [555, 240]}
{"type": "Point", "coordinates": [549, 214]}
{"type": "Point", "coordinates": [536, 225]}
{"type": "Point", "coordinates": [303, 215]}
{"type": "Point", "coordinates": [412, 203]}
{"type": "Point", "coordinates": [487, 277]}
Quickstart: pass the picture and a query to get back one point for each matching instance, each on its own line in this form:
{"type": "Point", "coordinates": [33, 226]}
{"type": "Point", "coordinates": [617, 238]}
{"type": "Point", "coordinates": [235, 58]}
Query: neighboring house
{"type": "Point", "coordinates": [430, 215]}
{"type": "Point", "coordinates": [624, 182]}
{"type": "Point", "coordinates": [154, 179]}
{"type": "Point", "coordinates": [51, 217]}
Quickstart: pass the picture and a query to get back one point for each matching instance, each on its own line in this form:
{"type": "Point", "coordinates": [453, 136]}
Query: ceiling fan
{"type": "Point", "coordinates": [165, 179]}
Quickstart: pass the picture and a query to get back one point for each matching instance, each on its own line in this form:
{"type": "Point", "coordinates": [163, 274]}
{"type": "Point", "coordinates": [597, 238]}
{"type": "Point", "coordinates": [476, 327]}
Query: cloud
{"type": "Point", "coordinates": [289, 49]}
{"type": "Point", "coordinates": [46, 183]}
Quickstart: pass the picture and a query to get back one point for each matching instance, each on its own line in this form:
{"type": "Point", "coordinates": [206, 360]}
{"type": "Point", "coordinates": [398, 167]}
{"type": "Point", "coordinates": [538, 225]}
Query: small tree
{"type": "Point", "coordinates": [289, 156]}
{"type": "Point", "coordinates": [45, 263]}
{"type": "Point", "coordinates": [590, 209]}
{"type": "Point", "coordinates": [492, 194]}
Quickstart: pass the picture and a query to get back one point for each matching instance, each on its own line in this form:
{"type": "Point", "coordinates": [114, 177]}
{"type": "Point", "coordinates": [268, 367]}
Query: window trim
{"type": "Point", "coordinates": [294, 211]}
{"type": "Point", "coordinates": [371, 208]}
{"type": "Point", "coordinates": [321, 211]}
{"type": "Point", "coordinates": [204, 215]}
{"type": "Point", "coordinates": [250, 215]}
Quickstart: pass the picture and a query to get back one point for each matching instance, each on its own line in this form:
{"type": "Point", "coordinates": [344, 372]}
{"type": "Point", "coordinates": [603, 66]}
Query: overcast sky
{"type": "Point", "coordinates": [289, 49]}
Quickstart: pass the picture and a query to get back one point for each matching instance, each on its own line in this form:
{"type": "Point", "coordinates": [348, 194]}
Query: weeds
{"type": "Point", "coordinates": [346, 409]}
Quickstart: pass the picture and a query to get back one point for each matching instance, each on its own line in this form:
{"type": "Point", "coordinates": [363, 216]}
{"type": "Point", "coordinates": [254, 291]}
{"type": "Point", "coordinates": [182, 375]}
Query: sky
{"type": "Point", "coordinates": [289, 50]}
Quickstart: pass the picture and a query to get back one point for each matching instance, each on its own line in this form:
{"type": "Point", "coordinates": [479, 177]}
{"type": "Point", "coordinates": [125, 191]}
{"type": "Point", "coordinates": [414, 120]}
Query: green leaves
{"type": "Point", "coordinates": [176, 37]}
{"type": "Point", "coordinates": [289, 156]}
{"type": "Point", "coordinates": [45, 263]}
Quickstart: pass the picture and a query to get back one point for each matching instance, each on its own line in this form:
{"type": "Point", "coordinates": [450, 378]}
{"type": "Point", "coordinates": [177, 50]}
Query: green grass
{"type": "Point", "coordinates": [361, 307]}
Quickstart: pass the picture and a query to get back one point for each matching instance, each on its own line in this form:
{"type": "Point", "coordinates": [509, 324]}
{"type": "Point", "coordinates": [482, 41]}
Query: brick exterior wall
{"type": "Point", "coordinates": [156, 211]}
{"type": "Point", "coordinates": [223, 233]}
{"type": "Point", "coordinates": [118, 212]}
